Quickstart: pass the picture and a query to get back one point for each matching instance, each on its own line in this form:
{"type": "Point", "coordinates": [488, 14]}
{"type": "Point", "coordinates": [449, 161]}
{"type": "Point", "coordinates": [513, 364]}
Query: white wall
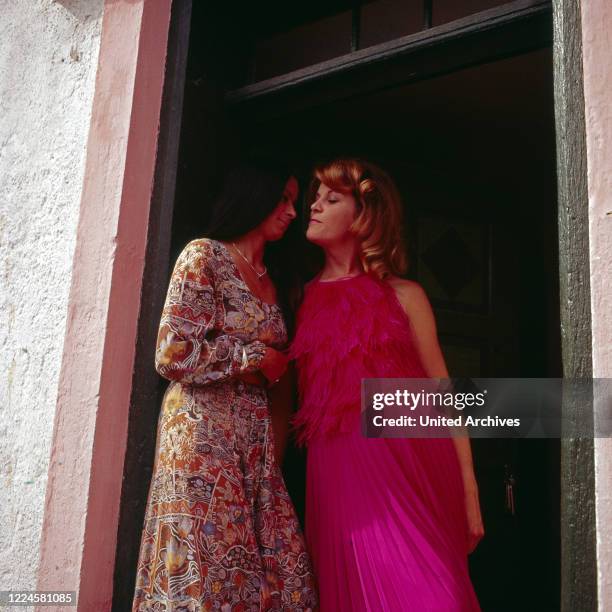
{"type": "Point", "coordinates": [48, 58]}
{"type": "Point", "coordinates": [596, 16]}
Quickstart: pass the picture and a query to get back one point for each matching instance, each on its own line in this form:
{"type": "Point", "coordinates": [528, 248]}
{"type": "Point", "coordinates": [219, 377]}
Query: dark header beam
{"type": "Point", "coordinates": [511, 29]}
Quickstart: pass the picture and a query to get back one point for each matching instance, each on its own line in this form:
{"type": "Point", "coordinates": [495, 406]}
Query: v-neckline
{"type": "Point", "coordinates": [241, 278]}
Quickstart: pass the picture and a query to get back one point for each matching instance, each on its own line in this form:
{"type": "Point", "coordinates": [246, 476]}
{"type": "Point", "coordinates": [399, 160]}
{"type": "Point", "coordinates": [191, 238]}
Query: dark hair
{"type": "Point", "coordinates": [251, 191]}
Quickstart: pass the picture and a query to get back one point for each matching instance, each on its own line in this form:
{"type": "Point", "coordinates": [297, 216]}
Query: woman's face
{"type": "Point", "coordinates": [331, 215]}
{"type": "Point", "coordinates": [276, 224]}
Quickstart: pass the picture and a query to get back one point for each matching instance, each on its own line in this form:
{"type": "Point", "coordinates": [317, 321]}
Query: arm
{"type": "Point", "coordinates": [189, 348]}
{"type": "Point", "coordinates": [414, 300]}
{"type": "Point", "coordinates": [416, 305]}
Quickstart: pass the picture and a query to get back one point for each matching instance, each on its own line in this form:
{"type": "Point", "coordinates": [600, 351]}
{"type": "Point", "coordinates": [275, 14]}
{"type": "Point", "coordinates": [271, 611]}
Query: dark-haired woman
{"type": "Point", "coordinates": [220, 530]}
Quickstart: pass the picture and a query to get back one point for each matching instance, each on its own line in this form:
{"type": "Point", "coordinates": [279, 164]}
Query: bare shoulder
{"type": "Point", "coordinates": [410, 294]}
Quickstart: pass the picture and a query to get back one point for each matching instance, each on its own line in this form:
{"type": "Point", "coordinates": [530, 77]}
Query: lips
{"type": "Point", "coordinates": [314, 221]}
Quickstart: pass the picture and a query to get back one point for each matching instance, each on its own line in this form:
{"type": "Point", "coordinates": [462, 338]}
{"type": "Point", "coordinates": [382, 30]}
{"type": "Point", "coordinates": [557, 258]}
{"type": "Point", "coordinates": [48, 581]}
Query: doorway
{"type": "Point", "coordinates": [473, 153]}
{"type": "Point", "coordinates": [472, 149]}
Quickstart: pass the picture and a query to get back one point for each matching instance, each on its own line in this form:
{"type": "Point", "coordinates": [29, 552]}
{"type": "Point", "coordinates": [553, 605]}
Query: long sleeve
{"type": "Point", "coordinates": [189, 347]}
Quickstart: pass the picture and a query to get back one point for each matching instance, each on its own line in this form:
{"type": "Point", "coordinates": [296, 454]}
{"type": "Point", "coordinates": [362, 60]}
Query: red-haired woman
{"type": "Point", "coordinates": [389, 522]}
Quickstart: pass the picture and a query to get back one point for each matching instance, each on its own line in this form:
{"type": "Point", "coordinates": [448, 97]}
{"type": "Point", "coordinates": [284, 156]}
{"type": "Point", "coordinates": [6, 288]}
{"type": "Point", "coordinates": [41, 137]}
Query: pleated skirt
{"type": "Point", "coordinates": [386, 525]}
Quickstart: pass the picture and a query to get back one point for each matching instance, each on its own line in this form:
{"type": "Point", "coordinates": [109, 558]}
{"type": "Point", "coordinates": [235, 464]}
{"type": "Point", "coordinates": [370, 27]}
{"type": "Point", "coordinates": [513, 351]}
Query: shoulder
{"type": "Point", "coordinates": [199, 256]}
{"type": "Point", "coordinates": [410, 294]}
{"type": "Point", "coordinates": [201, 249]}
{"type": "Point", "coordinates": [416, 305]}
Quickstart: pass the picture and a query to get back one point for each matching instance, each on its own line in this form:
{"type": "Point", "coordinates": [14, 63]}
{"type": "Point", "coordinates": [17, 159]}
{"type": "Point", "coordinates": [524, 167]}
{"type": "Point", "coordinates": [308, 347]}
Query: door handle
{"type": "Point", "coordinates": [510, 482]}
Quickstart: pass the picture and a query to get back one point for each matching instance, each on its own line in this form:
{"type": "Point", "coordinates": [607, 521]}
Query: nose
{"type": "Point", "coordinates": [315, 205]}
{"type": "Point", "coordinates": [291, 211]}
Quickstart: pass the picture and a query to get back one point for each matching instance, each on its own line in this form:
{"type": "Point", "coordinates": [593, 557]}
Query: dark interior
{"type": "Point", "coordinates": [473, 153]}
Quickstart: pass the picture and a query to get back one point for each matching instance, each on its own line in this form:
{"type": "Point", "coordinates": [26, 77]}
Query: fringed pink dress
{"type": "Point", "coordinates": [385, 518]}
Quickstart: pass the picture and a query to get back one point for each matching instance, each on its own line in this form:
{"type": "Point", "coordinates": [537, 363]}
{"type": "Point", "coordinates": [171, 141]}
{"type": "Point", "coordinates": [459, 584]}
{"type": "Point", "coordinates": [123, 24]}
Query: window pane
{"type": "Point", "coordinates": [388, 19]}
{"type": "Point", "coordinates": [449, 10]}
{"type": "Point", "coordinates": [303, 46]}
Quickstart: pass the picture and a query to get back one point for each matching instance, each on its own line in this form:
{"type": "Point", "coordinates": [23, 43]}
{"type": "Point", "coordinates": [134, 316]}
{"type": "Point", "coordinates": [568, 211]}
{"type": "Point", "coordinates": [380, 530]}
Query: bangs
{"type": "Point", "coordinates": [337, 176]}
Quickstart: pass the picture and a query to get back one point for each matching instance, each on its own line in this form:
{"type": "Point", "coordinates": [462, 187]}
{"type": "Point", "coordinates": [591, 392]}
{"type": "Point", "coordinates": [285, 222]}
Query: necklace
{"type": "Point", "coordinates": [259, 275]}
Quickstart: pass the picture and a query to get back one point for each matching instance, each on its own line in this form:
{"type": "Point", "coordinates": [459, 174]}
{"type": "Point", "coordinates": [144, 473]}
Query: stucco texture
{"type": "Point", "coordinates": [597, 49]}
{"type": "Point", "coordinates": [48, 59]}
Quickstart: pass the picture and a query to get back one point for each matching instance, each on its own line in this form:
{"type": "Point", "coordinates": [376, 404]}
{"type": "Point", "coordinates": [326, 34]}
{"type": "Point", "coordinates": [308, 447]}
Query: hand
{"type": "Point", "coordinates": [274, 364]}
{"type": "Point", "coordinates": [253, 378]}
{"type": "Point", "coordinates": [474, 518]}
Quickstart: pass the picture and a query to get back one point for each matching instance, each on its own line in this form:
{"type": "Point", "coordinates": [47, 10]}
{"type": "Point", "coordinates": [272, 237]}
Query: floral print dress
{"type": "Point", "coordinates": [220, 531]}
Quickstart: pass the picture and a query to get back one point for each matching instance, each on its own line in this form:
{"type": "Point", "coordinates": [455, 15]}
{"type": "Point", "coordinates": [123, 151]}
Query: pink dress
{"type": "Point", "coordinates": [385, 518]}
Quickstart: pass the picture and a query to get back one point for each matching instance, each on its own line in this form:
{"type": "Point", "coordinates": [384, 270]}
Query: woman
{"type": "Point", "coordinates": [220, 531]}
{"type": "Point", "coordinates": [389, 522]}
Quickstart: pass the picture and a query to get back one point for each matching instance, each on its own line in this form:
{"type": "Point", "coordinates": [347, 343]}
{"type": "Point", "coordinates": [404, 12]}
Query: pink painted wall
{"type": "Point", "coordinates": [597, 60]}
{"type": "Point", "coordinates": [90, 429]}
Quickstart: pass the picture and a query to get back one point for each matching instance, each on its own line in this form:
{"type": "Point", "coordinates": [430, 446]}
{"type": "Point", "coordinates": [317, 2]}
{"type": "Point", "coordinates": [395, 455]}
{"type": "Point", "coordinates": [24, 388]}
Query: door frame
{"type": "Point", "coordinates": [578, 516]}
{"type": "Point", "coordinates": [87, 456]}
{"type": "Point", "coordinates": [119, 279]}
{"type": "Point", "coordinates": [578, 533]}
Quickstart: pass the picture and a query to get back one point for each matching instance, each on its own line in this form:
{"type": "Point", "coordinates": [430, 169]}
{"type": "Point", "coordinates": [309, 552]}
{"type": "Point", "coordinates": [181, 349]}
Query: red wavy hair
{"type": "Point", "coordinates": [378, 225]}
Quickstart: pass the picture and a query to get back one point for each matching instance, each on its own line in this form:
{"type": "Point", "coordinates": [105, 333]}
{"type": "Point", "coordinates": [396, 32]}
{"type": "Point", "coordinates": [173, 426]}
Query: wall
{"type": "Point", "coordinates": [82, 498]}
{"type": "Point", "coordinates": [48, 59]}
{"type": "Point", "coordinates": [597, 51]}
